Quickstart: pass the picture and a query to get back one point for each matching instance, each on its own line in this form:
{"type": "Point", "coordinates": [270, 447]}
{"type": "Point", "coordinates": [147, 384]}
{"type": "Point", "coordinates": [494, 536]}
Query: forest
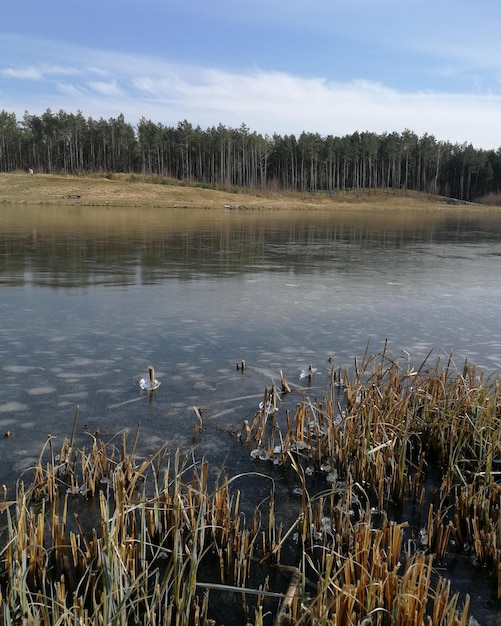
{"type": "Point", "coordinates": [225, 157]}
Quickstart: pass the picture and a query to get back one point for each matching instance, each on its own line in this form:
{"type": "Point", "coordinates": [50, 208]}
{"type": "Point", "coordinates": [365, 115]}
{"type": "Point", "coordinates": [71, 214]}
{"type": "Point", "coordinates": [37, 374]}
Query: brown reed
{"type": "Point", "coordinates": [389, 425]}
{"type": "Point", "coordinates": [97, 537]}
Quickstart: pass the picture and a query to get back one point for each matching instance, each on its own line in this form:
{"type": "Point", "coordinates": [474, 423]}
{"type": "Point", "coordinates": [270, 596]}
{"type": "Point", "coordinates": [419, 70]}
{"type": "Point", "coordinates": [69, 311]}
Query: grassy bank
{"type": "Point", "coordinates": [121, 190]}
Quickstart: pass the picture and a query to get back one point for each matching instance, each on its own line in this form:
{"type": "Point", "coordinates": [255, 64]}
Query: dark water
{"type": "Point", "coordinates": [90, 297]}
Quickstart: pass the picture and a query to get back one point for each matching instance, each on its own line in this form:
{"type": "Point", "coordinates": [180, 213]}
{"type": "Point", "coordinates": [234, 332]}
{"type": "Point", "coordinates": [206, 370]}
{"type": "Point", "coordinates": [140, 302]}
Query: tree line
{"type": "Point", "coordinates": [238, 157]}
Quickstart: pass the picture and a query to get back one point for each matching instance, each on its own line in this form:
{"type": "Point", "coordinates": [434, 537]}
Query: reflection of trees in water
{"type": "Point", "coordinates": [297, 243]}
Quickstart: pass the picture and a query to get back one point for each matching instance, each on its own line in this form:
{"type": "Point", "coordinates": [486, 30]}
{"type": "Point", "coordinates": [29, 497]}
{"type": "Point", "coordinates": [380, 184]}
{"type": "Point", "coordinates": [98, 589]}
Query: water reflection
{"type": "Point", "coordinates": [90, 297]}
{"type": "Point", "coordinates": [80, 247]}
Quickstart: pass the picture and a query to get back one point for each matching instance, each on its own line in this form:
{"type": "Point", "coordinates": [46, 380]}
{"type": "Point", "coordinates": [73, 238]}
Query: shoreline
{"type": "Point", "coordinates": [124, 190]}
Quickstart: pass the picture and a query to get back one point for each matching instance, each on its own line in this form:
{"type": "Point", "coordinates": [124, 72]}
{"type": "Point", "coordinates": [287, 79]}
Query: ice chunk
{"type": "Point", "coordinates": [150, 383]}
{"type": "Point", "coordinates": [308, 372]}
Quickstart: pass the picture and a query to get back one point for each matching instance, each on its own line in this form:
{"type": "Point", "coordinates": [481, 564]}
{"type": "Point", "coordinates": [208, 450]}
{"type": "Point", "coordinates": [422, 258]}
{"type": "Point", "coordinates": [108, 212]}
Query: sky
{"type": "Point", "coordinates": [331, 67]}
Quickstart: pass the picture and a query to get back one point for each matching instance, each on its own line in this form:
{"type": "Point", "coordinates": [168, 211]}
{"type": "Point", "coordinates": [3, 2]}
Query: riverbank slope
{"type": "Point", "coordinates": [123, 190]}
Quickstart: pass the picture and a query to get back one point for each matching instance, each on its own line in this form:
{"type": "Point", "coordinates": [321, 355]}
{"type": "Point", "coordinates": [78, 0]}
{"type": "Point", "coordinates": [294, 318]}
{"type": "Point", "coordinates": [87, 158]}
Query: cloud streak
{"type": "Point", "coordinates": [267, 101]}
{"type": "Point", "coordinates": [38, 72]}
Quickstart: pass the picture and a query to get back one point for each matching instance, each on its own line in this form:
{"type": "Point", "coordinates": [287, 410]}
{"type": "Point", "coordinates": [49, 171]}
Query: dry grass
{"type": "Point", "coordinates": [165, 544]}
{"type": "Point", "coordinates": [139, 191]}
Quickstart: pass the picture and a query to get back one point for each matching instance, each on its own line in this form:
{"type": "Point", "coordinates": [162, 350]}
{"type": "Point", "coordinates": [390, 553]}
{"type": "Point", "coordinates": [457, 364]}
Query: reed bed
{"type": "Point", "coordinates": [96, 536]}
{"type": "Point", "coordinates": [382, 429]}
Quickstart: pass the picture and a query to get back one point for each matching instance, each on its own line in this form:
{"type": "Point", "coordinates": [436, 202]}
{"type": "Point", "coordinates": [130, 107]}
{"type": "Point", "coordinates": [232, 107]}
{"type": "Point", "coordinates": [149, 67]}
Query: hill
{"type": "Point", "coordinates": [123, 190]}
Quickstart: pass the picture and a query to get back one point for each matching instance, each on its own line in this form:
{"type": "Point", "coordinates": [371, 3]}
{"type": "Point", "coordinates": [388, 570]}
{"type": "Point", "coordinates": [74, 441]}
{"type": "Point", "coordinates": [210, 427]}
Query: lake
{"type": "Point", "coordinates": [90, 297]}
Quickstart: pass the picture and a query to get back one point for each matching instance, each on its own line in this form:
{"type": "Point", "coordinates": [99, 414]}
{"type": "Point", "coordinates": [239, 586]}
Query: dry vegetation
{"type": "Point", "coordinates": [167, 544]}
{"type": "Point", "coordinates": [140, 191]}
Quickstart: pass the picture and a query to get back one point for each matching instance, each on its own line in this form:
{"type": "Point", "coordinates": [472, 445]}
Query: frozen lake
{"type": "Point", "coordinates": [90, 297]}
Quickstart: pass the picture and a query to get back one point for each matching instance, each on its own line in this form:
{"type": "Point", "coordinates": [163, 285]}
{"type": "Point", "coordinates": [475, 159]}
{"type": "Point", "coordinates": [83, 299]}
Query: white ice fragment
{"type": "Point", "coordinates": [260, 453]}
{"type": "Point", "coordinates": [148, 385]}
{"type": "Point", "coordinates": [263, 455]}
{"type": "Point", "coordinates": [307, 372]}
{"type": "Point", "coordinates": [277, 449]}
{"type": "Point", "coordinates": [269, 407]}
{"type": "Point", "coordinates": [332, 476]}
{"type": "Point", "coordinates": [423, 537]}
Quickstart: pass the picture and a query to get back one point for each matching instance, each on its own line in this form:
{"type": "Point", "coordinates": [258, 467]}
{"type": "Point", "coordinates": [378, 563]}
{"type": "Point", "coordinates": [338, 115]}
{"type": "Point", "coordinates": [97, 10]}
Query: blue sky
{"type": "Point", "coordinates": [326, 66]}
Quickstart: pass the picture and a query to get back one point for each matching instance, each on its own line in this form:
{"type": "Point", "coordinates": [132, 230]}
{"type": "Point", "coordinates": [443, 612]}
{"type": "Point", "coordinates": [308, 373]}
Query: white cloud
{"type": "Point", "coordinates": [277, 102]}
{"type": "Point", "coordinates": [106, 84]}
{"type": "Point", "coordinates": [23, 73]}
{"type": "Point", "coordinates": [39, 72]}
{"type": "Point", "coordinates": [71, 91]}
{"type": "Point", "coordinates": [107, 89]}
